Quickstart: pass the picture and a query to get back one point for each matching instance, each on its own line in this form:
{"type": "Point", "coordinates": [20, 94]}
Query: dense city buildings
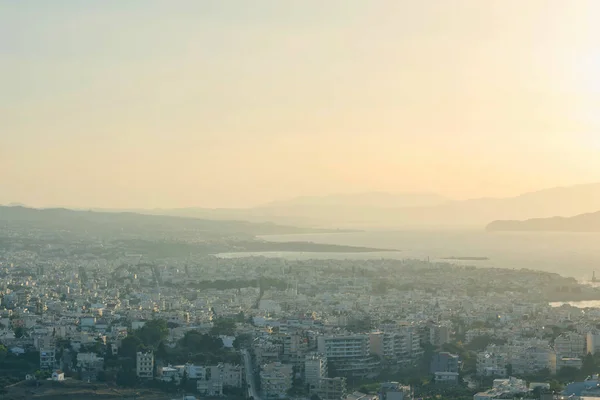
{"type": "Point", "coordinates": [139, 313]}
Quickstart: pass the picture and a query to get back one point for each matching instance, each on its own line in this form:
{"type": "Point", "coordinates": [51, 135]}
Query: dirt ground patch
{"type": "Point", "coordinates": [77, 390]}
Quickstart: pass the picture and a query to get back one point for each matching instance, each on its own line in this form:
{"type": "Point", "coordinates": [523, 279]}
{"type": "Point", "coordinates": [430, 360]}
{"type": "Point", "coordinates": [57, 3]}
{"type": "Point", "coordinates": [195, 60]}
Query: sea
{"type": "Point", "coordinates": [569, 254]}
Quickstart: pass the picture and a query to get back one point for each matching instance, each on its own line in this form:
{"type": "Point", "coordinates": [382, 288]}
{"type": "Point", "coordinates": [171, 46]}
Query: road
{"type": "Point", "coordinates": [250, 375]}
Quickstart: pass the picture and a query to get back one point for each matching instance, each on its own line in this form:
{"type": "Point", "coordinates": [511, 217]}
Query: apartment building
{"type": "Point", "coordinates": [570, 345]}
{"type": "Point", "coordinates": [332, 388]}
{"type": "Point", "coordinates": [276, 380]}
{"type": "Point", "coordinates": [144, 366]}
{"type": "Point", "coordinates": [315, 368]}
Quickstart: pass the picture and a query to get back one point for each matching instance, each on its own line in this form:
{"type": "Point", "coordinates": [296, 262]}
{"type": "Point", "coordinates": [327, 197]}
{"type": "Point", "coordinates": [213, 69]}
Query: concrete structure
{"type": "Point", "coordinates": [534, 358]}
{"type": "Point", "coordinates": [89, 365]}
{"type": "Point", "coordinates": [344, 346]}
{"type": "Point", "coordinates": [47, 358]}
{"type": "Point", "coordinates": [568, 362]}
{"type": "Point", "coordinates": [444, 362]}
{"type": "Point", "coordinates": [315, 368]}
{"type": "Point", "coordinates": [439, 334]}
{"type": "Point", "coordinates": [503, 388]}
{"type": "Point", "coordinates": [144, 366]}
{"type": "Point", "coordinates": [350, 353]}
{"type": "Point", "coordinates": [394, 391]}
{"type": "Point", "coordinates": [570, 345]}
{"type": "Point", "coordinates": [446, 378]}
{"type": "Point", "coordinates": [332, 388]}
{"type": "Point", "coordinates": [58, 376]}
{"type": "Point", "coordinates": [169, 374]}
{"type": "Point", "coordinates": [276, 380]}
{"type": "Point", "coordinates": [593, 342]}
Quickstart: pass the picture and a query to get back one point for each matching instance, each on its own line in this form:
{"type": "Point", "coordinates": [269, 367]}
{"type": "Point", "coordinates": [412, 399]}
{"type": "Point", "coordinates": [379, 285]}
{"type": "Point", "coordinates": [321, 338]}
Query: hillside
{"type": "Point", "coordinates": [409, 211]}
{"type": "Point", "coordinates": [71, 220]}
{"type": "Point", "coordinates": [580, 223]}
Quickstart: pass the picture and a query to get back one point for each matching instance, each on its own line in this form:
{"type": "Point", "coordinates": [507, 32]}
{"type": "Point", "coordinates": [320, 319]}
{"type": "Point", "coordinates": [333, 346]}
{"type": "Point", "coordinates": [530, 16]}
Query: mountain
{"type": "Point", "coordinates": [369, 199]}
{"type": "Point", "coordinates": [73, 220]}
{"type": "Point", "coordinates": [475, 213]}
{"type": "Point", "coordinates": [589, 222]}
{"type": "Point", "coordinates": [407, 211]}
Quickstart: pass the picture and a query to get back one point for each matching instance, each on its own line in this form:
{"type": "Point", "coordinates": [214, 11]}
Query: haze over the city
{"type": "Point", "coordinates": [144, 104]}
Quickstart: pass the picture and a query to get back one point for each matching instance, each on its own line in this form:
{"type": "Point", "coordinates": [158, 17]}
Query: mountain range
{"type": "Point", "coordinates": [77, 220]}
{"type": "Point", "coordinates": [589, 222]}
{"type": "Point", "coordinates": [407, 211]}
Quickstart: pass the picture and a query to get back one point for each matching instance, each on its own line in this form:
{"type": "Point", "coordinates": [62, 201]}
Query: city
{"type": "Point", "coordinates": [91, 310]}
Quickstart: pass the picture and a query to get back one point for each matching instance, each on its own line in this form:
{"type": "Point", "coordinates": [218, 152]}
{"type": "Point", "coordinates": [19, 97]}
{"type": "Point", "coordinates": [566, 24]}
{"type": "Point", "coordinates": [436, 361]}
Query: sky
{"type": "Point", "coordinates": [222, 103]}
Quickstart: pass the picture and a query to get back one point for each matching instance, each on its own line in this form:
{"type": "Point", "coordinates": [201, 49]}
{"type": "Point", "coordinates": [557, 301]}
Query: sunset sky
{"type": "Point", "coordinates": [221, 103]}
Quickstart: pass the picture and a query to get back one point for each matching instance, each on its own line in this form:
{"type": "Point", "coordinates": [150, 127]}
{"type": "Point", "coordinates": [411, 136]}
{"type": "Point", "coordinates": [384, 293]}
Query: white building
{"type": "Point", "coordinates": [350, 353]}
{"type": "Point", "coordinates": [47, 358]}
{"type": "Point", "coordinates": [276, 380]}
{"type": "Point", "coordinates": [570, 345]}
{"type": "Point", "coordinates": [592, 342]}
{"type": "Point", "coordinates": [169, 374]}
{"type": "Point", "coordinates": [344, 346]}
{"type": "Point", "coordinates": [58, 376]}
{"type": "Point", "coordinates": [534, 358]}
{"type": "Point", "coordinates": [145, 365]}
{"type": "Point", "coordinates": [213, 378]}
{"type": "Point", "coordinates": [332, 388]}
{"type": "Point", "coordinates": [315, 368]}
{"type": "Point", "coordinates": [493, 362]}
{"type": "Point", "coordinates": [569, 362]}
{"type": "Point", "coordinates": [503, 388]}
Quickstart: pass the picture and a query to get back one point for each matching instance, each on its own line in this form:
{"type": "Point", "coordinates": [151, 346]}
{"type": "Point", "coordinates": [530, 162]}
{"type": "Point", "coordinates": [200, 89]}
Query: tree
{"type": "Point", "coordinates": [242, 341]}
{"type": "Point", "coordinates": [19, 332]}
{"type": "Point", "coordinates": [161, 351]}
{"type": "Point", "coordinates": [223, 326]}
{"type": "Point", "coordinates": [172, 325]}
{"type": "Point", "coordinates": [127, 378]}
{"type": "Point", "coordinates": [196, 342]}
{"type": "Point", "coordinates": [589, 365]}
{"type": "Point", "coordinates": [130, 346]}
{"type": "Point", "coordinates": [153, 332]}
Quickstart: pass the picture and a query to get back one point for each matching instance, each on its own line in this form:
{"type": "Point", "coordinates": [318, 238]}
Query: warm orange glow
{"type": "Point", "coordinates": [157, 104]}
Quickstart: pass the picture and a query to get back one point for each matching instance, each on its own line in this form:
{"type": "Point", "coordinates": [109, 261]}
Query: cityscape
{"type": "Point", "coordinates": [84, 308]}
{"type": "Point", "coordinates": [299, 200]}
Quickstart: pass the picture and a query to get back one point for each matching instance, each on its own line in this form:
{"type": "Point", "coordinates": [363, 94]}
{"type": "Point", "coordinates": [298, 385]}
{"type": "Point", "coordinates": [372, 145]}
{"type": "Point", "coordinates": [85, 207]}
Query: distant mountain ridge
{"type": "Point", "coordinates": [589, 222]}
{"type": "Point", "coordinates": [62, 218]}
{"type": "Point", "coordinates": [380, 211]}
{"type": "Point", "coordinates": [403, 211]}
{"type": "Point", "coordinates": [367, 199]}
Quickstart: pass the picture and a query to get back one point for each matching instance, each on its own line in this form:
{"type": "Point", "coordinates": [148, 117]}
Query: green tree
{"type": "Point", "coordinates": [130, 346]}
{"type": "Point", "coordinates": [589, 365]}
{"type": "Point", "coordinates": [153, 332]}
{"type": "Point", "coordinates": [19, 332]}
{"type": "Point", "coordinates": [223, 326]}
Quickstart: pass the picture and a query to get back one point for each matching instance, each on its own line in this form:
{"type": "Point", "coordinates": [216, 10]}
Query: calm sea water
{"type": "Point", "coordinates": [569, 254]}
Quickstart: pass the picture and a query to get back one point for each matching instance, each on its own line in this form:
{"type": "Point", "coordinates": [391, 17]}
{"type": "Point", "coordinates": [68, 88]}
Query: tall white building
{"type": "Point", "coordinates": [144, 366]}
{"type": "Point", "coordinates": [593, 342]}
{"type": "Point", "coordinates": [351, 354]}
{"type": "Point", "coordinates": [315, 368]}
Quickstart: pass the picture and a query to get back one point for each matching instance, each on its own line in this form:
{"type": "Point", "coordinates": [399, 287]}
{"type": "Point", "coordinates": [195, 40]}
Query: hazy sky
{"type": "Point", "coordinates": [171, 103]}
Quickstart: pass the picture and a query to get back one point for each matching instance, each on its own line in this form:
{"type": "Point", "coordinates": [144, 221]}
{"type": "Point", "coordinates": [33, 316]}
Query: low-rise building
{"type": "Point", "coordinates": [276, 380]}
